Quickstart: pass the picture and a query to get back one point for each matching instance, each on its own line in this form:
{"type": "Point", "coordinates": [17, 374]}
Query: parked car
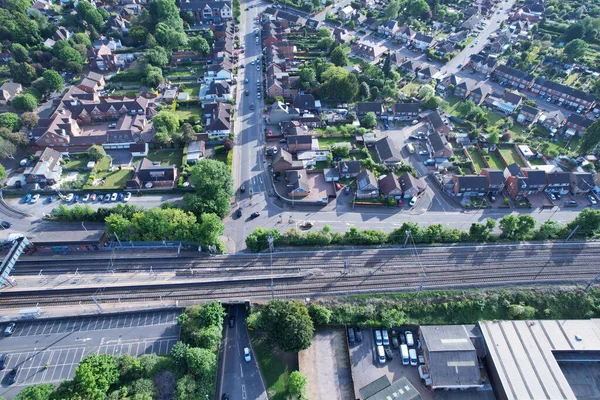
{"type": "Point", "coordinates": [5, 224]}
{"type": "Point", "coordinates": [86, 197]}
{"type": "Point", "coordinates": [307, 224]}
{"type": "Point", "coordinates": [120, 196]}
{"type": "Point", "coordinates": [592, 200]}
{"type": "Point", "coordinates": [413, 201]}
{"type": "Point", "coordinates": [113, 197]}
{"type": "Point", "coordinates": [247, 92]}
{"type": "Point", "coordinates": [12, 375]}
{"type": "Point", "coordinates": [423, 153]}
{"type": "Point", "coordinates": [409, 338]}
{"type": "Point", "coordinates": [358, 335]}
{"type": "Point", "coordinates": [10, 329]}
{"type": "Point", "coordinates": [255, 214]}
{"type": "Point", "coordinates": [69, 197]}
{"type": "Point", "coordinates": [127, 197]}
{"type": "Point", "coordinates": [93, 197]}
{"type": "Point", "coordinates": [347, 190]}
{"type": "Point", "coordinates": [3, 359]}
{"type": "Point", "coordinates": [388, 353]}
{"type": "Point", "coordinates": [231, 321]}
{"type": "Point", "coordinates": [429, 162]}
{"type": "Point", "coordinates": [242, 188]}
{"type": "Point", "coordinates": [238, 213]}
{"type": "Point", "coordinates": [76, 198]}
{"type": "Point", "coordinates": [551, 195]}
{"type": "Point", "coordinates": [247, 355]}
{"type": "Point", "coordinates": [570, 203]}
{"type": "Point", "coordinates": [395, 344]}
{"type": "Point", "coordinates": [107, 198]}
{"type": "Point", "coordinates": [282, 140]}
{"type": "Point", "coordinates": [100, 197]}
{"type": "Point", "coordinates": [27, 198]}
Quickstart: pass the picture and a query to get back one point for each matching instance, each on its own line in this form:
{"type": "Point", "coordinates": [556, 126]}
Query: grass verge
{"type": "Point", "coordinates": [275, 365]}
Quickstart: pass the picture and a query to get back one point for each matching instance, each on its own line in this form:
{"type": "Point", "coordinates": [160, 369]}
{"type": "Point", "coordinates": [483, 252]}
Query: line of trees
{"type": "Point", "coordinates": [187, 373]}
{"type": "Point", "coordinates": [512, 227]}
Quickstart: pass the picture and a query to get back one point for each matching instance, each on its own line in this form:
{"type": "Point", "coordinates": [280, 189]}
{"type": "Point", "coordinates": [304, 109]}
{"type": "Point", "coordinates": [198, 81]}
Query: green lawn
{"type": "Point", "coordinates": [104, 164]}
{"type": "Point", "coordinates": [536, 161]}
{"type": "Point", "coordinates": [477, 160]}
{"type": "Point", "coordinates": [194, 91]}
{"type": "Point", "coordinates": [185, 113]}
{"type": "Point", "coordinates": [276, 367]}
{"type": "Point", "coordinates": [517, 128]}
{"type": "Point", "coordinates": [326, 142]}
{"type": "Point", "coordinates": [113, 180]}
{"type": "Point", "coordinates": [167, 156]}
{"type": "Point", "coordinates": [75, 163]}
{"type": "Point", "coordinates": [408, 89]}
{"type": "Point", "coordinates": [495, 161]}
{"type": "Point", "coordinates": [510, 156]}
{"type": "Point", "coordinates": [571, 79]}
{"type": "Point", "coordinates": [493, 117]}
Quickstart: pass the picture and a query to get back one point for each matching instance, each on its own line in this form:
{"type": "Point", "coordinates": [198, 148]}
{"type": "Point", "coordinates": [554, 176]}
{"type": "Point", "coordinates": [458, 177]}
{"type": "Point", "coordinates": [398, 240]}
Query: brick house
{"type": "Point", "coordinates": [299, 143]}
{"type": "Point", "coordinates": [470, 185]}
{"type": "Point", "coordinates": [437, 124]}
{"type": "Point", "coordinates": [528, 114]}
{"type": "Point", "coordinates": [411, 186]}
{"type": "Point", "coordinates": [577, 125]}
{"type": "Point", "coordinates": [478, 94]}
{"type": "Point", "coordinates": [406, 111]}
{"type": "Point", "coordinates": [387, 152]}
{"type": "Point", "coordinates": [47, 169]}
{"type": "Point", "coordinates": [513, 76]}
{"type": "Point", "coordinates": [495, 179]}
{"type": "Point", "coordinates": [207, 11]}
{"type": "Point", "coordinates": [423, 42]}
{"type": "Point", "coordinates": [362, 108]}
{"type": "Point", "coordinates": [152, 174]}
{"type": "Point", "coordinates": [389, 186]}
{"type": "Point", "coordinates": [463, 89]}
{"type": "Point", "coordinates": [349, 169]}
{"type": "Point", "coordinates": [558, 182]}
{"type": "Point", "coordinates": [567, 94]}
{"type": "Point", "coordinates": [283, 161]}
{"type": "Point", "coordinates": [536, 179]}
{"type": "Point", "coordinates": [553, 120]}
{"type": "Point", "coordinates": [581, 183]}
{"type": "Point", "coordinates": [367, 185]}
{"type": "Point", "coordinates": [440, 146]}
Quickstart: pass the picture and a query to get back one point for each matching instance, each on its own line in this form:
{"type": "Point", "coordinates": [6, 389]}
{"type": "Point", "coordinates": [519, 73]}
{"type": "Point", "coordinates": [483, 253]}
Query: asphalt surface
{"type": "Point", "coordinates": [240, 379]}
{"type": "Point", "coordinates": [63, 343]}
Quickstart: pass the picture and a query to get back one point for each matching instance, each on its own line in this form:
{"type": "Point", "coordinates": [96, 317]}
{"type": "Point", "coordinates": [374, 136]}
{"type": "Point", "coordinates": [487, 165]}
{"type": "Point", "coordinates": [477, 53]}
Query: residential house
{"type": "Point", "coordinates": [47, 169]}
{"type": "Point", "coordinates": [92, 83]}
{"type": "Point", "coordinates": [293, 128]}
{"type": "Point", "coordinates": [444, 48]}
{"type": "Point", "coordinates": [501, 43]}
{"type": "Point", "coordinates": [341, 35]}
{"type": "Point", "coordinates": [437, 124]}
{"type": "Point", "coordinates": [306, 102]}
{"type": "Point", "coordinates": [553, 120]}
{"type": "Point", "coordinates": [483, 65]}
{"type": "Point", "coordinates": [389, 186]}
{"type": "Point", "coordinates": [470, 185]}
{"type": "Point", "coordinates": [349, 169]}
{"type": "Point", "coordinates": [280, 112]}
{"type": "Point", "coordinates": [564, 93]}
{"type": "Point", "coordinates": [458, 37]}
{"type": "Point", "coordinates": [406, 111]}
{"type": "Point", "coordinates": [218, 119]}
{"type": "Point", "coordinates": [280, 83]}
{"type": "Point", "coordinates": [528, 114]}
{"type": "Point", "coordinates": [495, 179]}
{"type": "Point", "coordinates": [581, 183]}
{"type": "Point", "coordinates": [362, 108]}
{"type": "Point", "coordinates": [208, 11]}
{"type": "Point", "coordinates": [112, 43]}
{"type": "Point", "coordinates": [423, 42]}
{"type": "Point", "coordinates": [8, 91]}
{"type": "Point", "coordinates": [283, 161]}
{"type": "Point", "coordinates": [368, 23]}
{"type": "Point", "coordinates": [451, 356]}
{"type": "Point", "coordinates": [405, 34]}
{"type": "Point", "coordinates": [346, 13]}
{"type": "Point", "coordinates": [368, 50]}
{"type": "Point", "coordinates": [509, 102]}
{"type": "Point", "coordinates": [151, 174]}
{"type": "Point", "coordinates": [389, 27]}
{"type": "Point", "coordinates": [472, 22]}
{"type": "Point", "coordinates": [196, 150]}
{"type": "Point", "coordinates": [479, 93]}
{"type": "Point", "coordinates": [536, 179]}
{"type": "Point", "coordinates": [331, 174]}
{"type": "Point", "coordinates": [558, 181]}
{"type": "Point", "coordinates": [427, 73]}
{"type": "Point", "coordinates": [103, 59]}
{"type": "Point", "coordinates": [297, 184]}
{"type": "Point", "coordinates": [516, 182]}
{"type": "Point", "coordinates": [215, 91]}
{"type": "Point", "coordinates": [577, 125]}
{"type": "Point", "coordinates": [222, 71]}
{"type": "Point", "coordinates": [367, 185]}
{"type": "Point", "coordinates": [440, 146]}
{"type": "Point", "coordinates": [410, 66]}
{"type": "Point", "coordinates": [387, 151]}
{"type": "Point", "coordinates": [514, 77]}
{"type": "Point", "coordinates": [463, 89]}
{"type": "Point", "coordinates": [449, 83]}
{"type": "Point", "coordinates": [299, 143]}
{"type": "Point", "coordinates": [411, 186]}
{"type": "Point", "coordinates": [118, 23]}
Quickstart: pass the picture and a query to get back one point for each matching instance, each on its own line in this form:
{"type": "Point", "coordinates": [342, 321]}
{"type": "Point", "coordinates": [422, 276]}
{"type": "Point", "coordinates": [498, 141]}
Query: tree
{"type": "Point", "coordinates": [338, 57]}
{"type": "Point", "coordinates": [165, 384]}
{"type": "Point", "coordinates": [37, 392]}
{"type": "Point", "coordinates": [287, 325]}
{"type": "Point", "coordinates": [363, 90]}
{"type": "Point", "coordinates": [417, 8]}
{"type": "Point", "coordinates": [508, 225]}
{"type": "Point", "coordinates": [162, 138]}
{"type": "Point", "coordinates": [369, 121]}
{"type": "Point", "coordinates": [426, 92]}
{"type": "Point", "coordinates": [574, 31]}
{"type": "Point", "coordinates": [392, 9]}
{"type": "Point", "coordinates": [153, 76]}
{"type": "Point", "coordinates": [575, 49]}
{"type": "Point", "coordinates": [22, 72]}
{"type": "Point", "coordinates": [319, 314]}
{"type": "Point", "coordinates": [339, 84]}
{"type": "Point", "coordinates": [493, 137]}
{"type": "Point", "coordinates": [10, 120]}
{"type": "Point", "coordinates": [189, 135]}
{"type": "Point", "coordinates": [199, 45]}
{"type": "Point", "coordinates": [82, 38]}
{"type": "Point", "coordinates": [186, 388]}
{"type": "Point", "coordinates": [588, 221]}
{"type": "Point", "coordinates": [157, 57]}
{"type": "Point", "coordinates": [96, 153]}
{"type": "Point", "coordinates": [297, 384]}
{"type": "Point", "coordinates": [2, 172]}
{"type": "Point", "coordinates": [94, 376]}
{"type": "Point", "coordinates": [88, 13]}
{"type": "Point", "coordinates": [589, 140]}
{"type": "Point", "coordinates": [201, 362]}
{"type": "Point", "coordinates": [19, 53]}
{"type": "Point", "coordinates": [525, 224]}
{"type": "Point", "coordinates": [433, 102]}
{"type": "Point", "coordinates": [18, 6]}
{"type": "Point", "coordinates": [169, 37]}
{"type": "Point", "coordinates": [308, 77]}
{"type": "Point", "coordinates": [548, 230]}
{"type": "Point", "coordinates": [213, 183]}
{"type": "Point", "coordinates": [16, 138]}
{"type": "Point", "coordinates": [166, 121]}
{"type": "Point", "coordinates": [24, 102]}
{"type": "Point", "coordinates": [53, 82]}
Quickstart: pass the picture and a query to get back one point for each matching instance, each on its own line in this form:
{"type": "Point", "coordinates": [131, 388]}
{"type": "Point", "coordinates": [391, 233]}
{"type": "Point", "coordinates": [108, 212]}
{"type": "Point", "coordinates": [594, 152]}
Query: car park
{"type": "Point", "coordinates": [12, 375]}
{"type": "Point", "coordinates": [3, 359]}
{"type": "Point", "coordinates": [247, 355]}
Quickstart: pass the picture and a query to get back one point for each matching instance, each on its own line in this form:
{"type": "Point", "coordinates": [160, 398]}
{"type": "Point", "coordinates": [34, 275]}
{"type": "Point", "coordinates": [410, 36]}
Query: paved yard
{"type": "Point", "coordinates": [326, 365]}
{"type": "Point", "coordinates": [63, 343]}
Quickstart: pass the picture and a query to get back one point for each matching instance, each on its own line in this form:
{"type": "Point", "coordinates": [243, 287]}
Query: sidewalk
{"type": "Point", "coordinates": [106, 253]}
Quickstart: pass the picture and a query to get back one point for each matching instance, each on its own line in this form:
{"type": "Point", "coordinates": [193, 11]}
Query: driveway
{"type": "Point", "coordinates": [120, 157]}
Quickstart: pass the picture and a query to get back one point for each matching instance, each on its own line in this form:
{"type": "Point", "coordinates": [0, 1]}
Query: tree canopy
{"type": "Point", "coordinates": [590, 138]}
{"type": "Point", "coordinates": [213, 186]}
{"type": "Point", "coordinates": [287, 325]}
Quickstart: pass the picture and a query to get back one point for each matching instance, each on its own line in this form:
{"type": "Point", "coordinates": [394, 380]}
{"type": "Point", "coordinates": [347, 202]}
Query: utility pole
{"type": "Point", "coordinates": [592, 282]}
{"type": "Point", "coordinates": [270, 240]}
{"type": "Point", "coordinates": [421, 285]}
{"type": "Point", "coordinates": [572, 233]}
{"type": "Point", "coordinates": [406, 239]}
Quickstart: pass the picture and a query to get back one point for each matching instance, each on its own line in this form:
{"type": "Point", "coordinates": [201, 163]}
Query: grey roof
{"type": "Point", "coordinates": [296, 181]}
{"type": "Point", "coordinates": [557, 115]}
{"type": "Point", "coordinates": [51, 237]}
{"type": "Point", "coordinates": [407, 181]}
{"type": "Point", "coordinates": [438, 142]}
{"type": "Point", "coordinates": [512, 97]}
{"type": "Point", "coordinates": [505, 69]}
{"type": "Point", "coordinates": [435, 119]}
{"type": "Point", "coordinates": [524, 354]}
{"type": "Point", "coordinates": [331, 172]}
{"type": "Point", "coordinates": [529, 110]}
{"type": "Point", "coordinates": [374, 387]}
{"type": "Point", "coordinates": [568, 90]}
{"type": "Point", "coordinates": [366, 178]}
{"type": "Point", "coordinates": [452, 358]}
{"type": "Point", "coordinates": [402, 389]}
{"type": "Point", "coordinates": [388, 183]}
{"type": "Point", "coordinates": [535, 176]}
{"type": "Point", "coordinates": [423, 38]}
{"type": "Point", "coordinates": [514, 170]}
{"type": "Point", "coordinates": [304, 102]}
{"type": "Point", "coordinates": [563, 178]}
{"type": "Point", "coordinates": [496, 177]}
{"type": "Point", "coordinates": [386, 150]}
{"type": "Point", "coordinates": [583, 180]}
{"type": "Point", "coordinates": [365, 107]}
{"type": "Point", "coordinates": [299, 139]}
{"type": "Point", "coordinates": [351, 167]}
{"type": "Point", "coordinates": [579, 120]}
{"type": "Point", "coordinates": [409, 108]}
{"type": "Point", "coordinates": [474, 182]}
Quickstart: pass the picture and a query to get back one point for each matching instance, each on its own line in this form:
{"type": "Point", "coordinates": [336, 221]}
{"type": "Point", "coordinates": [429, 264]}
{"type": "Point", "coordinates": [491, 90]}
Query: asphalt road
{"type": "Point", "coordinates": [63, 343]}
{"type": "Point", "coordinates": [240, 379]}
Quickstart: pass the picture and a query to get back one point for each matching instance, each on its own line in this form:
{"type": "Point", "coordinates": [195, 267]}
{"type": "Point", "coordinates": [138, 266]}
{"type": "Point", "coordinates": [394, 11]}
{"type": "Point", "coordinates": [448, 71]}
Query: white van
{"type": "Point", "coordinates": [410, 148]}
{"type": "Point", "coordinates": [386, 338]}
{"type": "Point", "coordinates": [409, 338]}
{"type": "Point", "coordinates": [412, 353]}
{"type": "Point", "coordinates": [381, 354]}
{"type": "Point", "coordinates": [378, 340]}
{"type": "Point", "coordinates": [404, 354]}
